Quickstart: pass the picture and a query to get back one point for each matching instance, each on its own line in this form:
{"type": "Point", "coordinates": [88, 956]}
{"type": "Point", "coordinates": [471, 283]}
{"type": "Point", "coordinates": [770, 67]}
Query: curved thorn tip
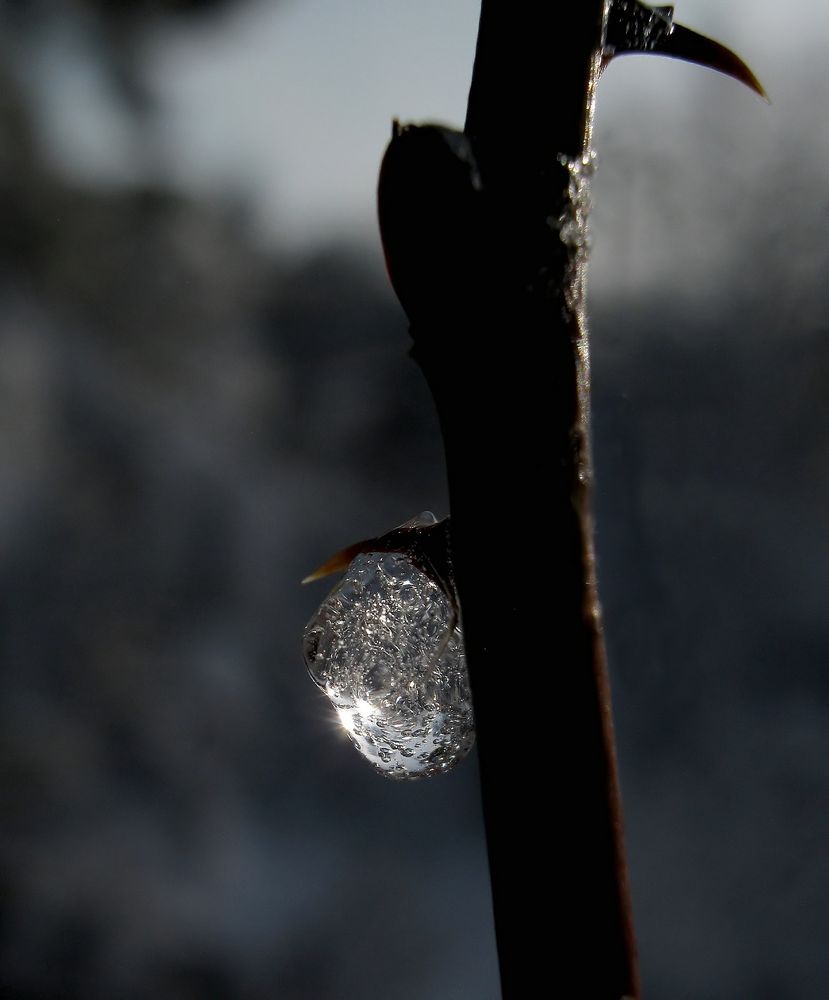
{"type": "Point", "coordinates": [690, 46]}
{"type": "Point", "coordinates": [634, 27]}
{"type": "Point", "coordinates": [339, 561]}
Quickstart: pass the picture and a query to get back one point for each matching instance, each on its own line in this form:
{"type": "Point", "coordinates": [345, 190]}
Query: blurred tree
{"type": "Point", "coordinates": [118, 25]}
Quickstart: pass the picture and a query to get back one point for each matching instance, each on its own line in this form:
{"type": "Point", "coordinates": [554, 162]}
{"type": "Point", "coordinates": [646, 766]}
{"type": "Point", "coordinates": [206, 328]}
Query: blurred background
{"type": "Point", "coordinates": [204, 391]}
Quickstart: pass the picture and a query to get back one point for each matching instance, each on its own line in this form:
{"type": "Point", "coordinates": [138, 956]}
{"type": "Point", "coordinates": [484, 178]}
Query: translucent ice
{"type": "Point", "coordinates": [387, 649]}
{"type": "Point", "coordinates": [574, 229]}
{"type": "Point", "coordinates": [635, 27]}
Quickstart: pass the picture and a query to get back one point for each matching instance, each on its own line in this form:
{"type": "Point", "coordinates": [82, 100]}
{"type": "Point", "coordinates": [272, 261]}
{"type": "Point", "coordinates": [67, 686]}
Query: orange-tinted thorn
{"type": "Point", "coordinates": [682, 43]}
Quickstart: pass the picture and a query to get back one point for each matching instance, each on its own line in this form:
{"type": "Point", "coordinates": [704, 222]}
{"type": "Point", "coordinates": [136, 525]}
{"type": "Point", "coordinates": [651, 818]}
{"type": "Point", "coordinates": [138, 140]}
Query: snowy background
{"type": "Point", "coordinates": [204, 391]}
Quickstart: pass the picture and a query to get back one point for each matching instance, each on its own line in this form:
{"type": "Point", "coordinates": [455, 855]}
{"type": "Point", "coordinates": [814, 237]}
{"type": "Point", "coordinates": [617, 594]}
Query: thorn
{"type": "Point", "coordinates": [634, 27]}
{"type": "Point", "coordinates": [340, 560]}
{"type": "Point", "coordinates": [399, 539]}
{"type": "Point", "coordinates": [690, 46]}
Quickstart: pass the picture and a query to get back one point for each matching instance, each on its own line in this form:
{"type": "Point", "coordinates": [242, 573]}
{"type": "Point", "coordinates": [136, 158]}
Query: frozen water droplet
{"type": "Point", "coordinates": [387, 650]}
{"type": "Point", "coordinates": [574, 228]}
{"type": "Point", "coordinates": [635, 27]}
